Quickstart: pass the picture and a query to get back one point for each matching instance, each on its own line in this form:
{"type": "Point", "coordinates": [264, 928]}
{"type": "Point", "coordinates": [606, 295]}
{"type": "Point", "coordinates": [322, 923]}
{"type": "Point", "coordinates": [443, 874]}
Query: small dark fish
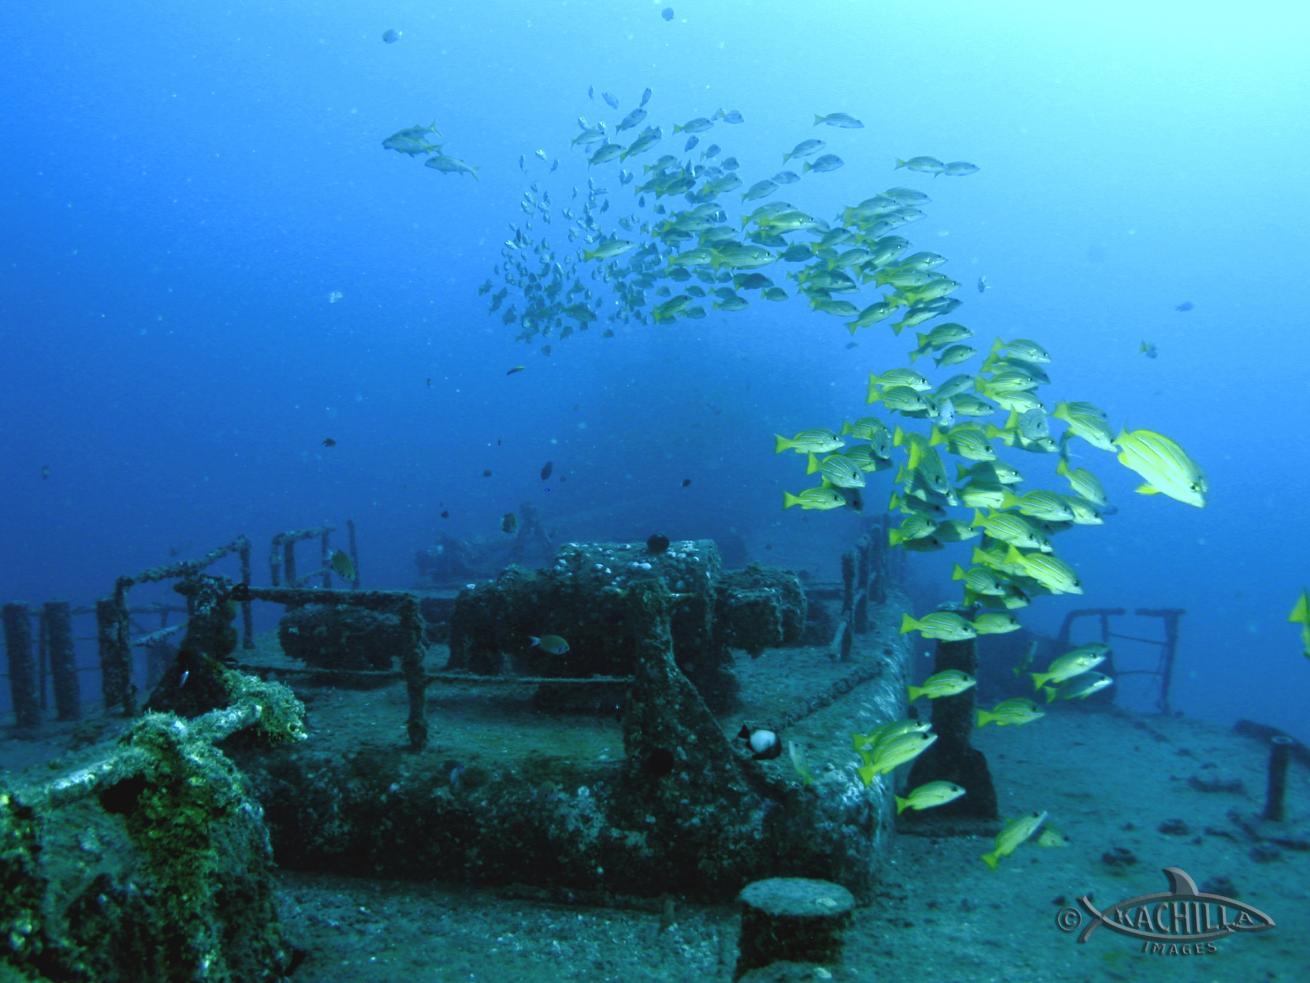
{"type": "Point", "coordinates": [691, 142]}
{"type": "Point", "coordinates": [1149, 350]}
{"type": "Point", "coordinates": [729, 163]}
{"type": "Point", "coordinates": [429, 382]}
{"type": "Point", "coordinates": [591, 92]}
{"type": "Point", "coordinates": [391, 36]}
{"type": "Point", "coordinates": [667, 13]}
{"type": "Point", "coordinates": [186, 674]}
{"type": "Point", "coordinates": [516, 368]}
{"type": "Point", "coordinates": [509, 522]}
{"type": "Point", "coordinates": [982, 284]}
{"type": "Point", "coordinates": [764, 744]}
{"type": "Point", "coordinates": [610, 101]}
{"type": "Point", "coordinates": [852, 344]}
{"type": "Point", "coordinates": [342, 565]}
{"type": "Point", "coordinates": [329, 442]}
{"type": "Point", "coordinates": [45, 472]}
{"type": "Point", "coordinates": [657, 543]}
{"type": "Point", "coordinates": [550, 644]}
{"type": "Point", "coordinates": [546, 469]}
{"type": "Point", "coordinates": [486, 472]}
{"type": "Point", "coordinates": [1186, 305]}
{"type": "Point", "coordinates": [711, 151]}
{"type": "Point", "coordinates": [686, 482]}
{"type": "Point", "coordinates": [445, 513]}
{"type": "Point", "coordinates": [645, 97]}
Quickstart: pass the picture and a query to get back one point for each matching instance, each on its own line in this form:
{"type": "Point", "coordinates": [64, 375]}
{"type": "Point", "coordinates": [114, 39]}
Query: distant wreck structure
{"type": "Point", "coordinates": [575, 727]}
{"type": "Point", "coordinates": [585, 594]}
{"type": "Point", "coordinates": [579, 729]}
{"type": "Point", "coordinates": [152, 861]}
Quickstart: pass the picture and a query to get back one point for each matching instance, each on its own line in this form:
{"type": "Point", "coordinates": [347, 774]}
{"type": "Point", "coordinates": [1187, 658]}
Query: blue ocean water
{"type": "Point", "coordinates": [186, 188]}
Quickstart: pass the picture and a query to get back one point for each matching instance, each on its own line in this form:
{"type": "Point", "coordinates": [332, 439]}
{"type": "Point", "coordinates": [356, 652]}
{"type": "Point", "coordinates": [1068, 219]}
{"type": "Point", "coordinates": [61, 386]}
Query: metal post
{"type": "Point", "coordinates": [880, 571]}
{"type": "Point", "coordinates": [1167, 661]}
{"type": "Point", "coordinates": [289, 562]}
{"type": "Point", "coordinates": [325, 555]}
{"type": "Point", "coordinates": [354, 553]}
{"type": "Point", "coordinates": [247, 615]}
{"type": "Point", "coordinates": [57, 626]}
{"type": "Point", "coordinates": [22, 671]}
{"type": "Point", "coordinates": [42, 660]}
{"type": "Point", "coordinates": [115, 653]}
{"type": "Point", "coordinates": [1280, 750]}
{"type": "Point", "coordinates": [275, 561]}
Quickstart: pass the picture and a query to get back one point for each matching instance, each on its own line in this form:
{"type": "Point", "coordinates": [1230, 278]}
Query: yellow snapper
{"type": "Point", "coordinates": [1049, 571]}
{"type": "Point", "coordinates": [891, 754]}
{"type": "Point", "coordinates": [1083, 482]}
{"type": "Point", "coordinates": [808, 442]}
{"type": "Point", "coordinates": [945, 625]}
{"type": "Point", "coordinates": [836, 470]}
{"type": "Point", "coordinates": [1301, 616]}
{"type": "Point", "coordinates": [1091, 427]}
{"type": "Point", "coordinates": [822, 497]}
{"type": "Point", "coordinates": [1165, 466]}
{"type": "Point", "coordinates": [1079, 687]}
{"type": "Point", "coordinates": [995, 623]}
{"type": "Point", "coordinates": [928, 796]}
{"type": "Point", "coordinates": [1075, 662]}
{"type": "Point", "coordinates": [1011, 712]}
{"type": "Point", "coordinates": [948, 682]}
{"type": "Point", "coordinates": [1013, 835]}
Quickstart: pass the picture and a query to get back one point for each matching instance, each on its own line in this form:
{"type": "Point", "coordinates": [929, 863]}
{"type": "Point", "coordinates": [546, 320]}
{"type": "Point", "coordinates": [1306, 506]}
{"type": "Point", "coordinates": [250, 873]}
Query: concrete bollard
{"type": "Point", "coordinates": [794, 919]}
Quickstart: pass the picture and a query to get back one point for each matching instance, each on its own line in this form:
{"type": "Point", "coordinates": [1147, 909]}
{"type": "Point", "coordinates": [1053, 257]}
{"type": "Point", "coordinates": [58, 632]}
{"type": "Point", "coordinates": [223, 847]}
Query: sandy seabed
{"type": "Point", "coordinates": [1116, 784]}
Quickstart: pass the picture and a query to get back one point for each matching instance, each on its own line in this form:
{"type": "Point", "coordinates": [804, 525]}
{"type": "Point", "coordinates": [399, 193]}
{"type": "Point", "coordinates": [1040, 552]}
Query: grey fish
{"type": "Point", "coordinates": [698, 125]}
{"type": "Point", "coordinates": [645, 97]}
{"type": "Point", "coordinates": [632, 119]}
{"type": "Point", "coordinates": [839, 119]}
{"type": "Point", "coordinates": [606, 151]}
{"type": "Point", "coordinates": [786, 177]}
{"type": "Point", "coordinates": [804, 149]}
{"type": "Point", "coordinates": [828, 162]}
{"type": "Point", "coordinates": [610, 100]}
{"type": "Point", "coordinates": [450, 165]}
{"type": "Point", "coordinates": [691, 141]}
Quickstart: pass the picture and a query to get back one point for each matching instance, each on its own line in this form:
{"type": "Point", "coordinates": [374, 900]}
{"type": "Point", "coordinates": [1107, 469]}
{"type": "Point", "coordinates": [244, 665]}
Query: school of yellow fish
{"type": "Point", "coordinates": [952, 436]}
{"type": "Point", "coordinates": [695, 236]}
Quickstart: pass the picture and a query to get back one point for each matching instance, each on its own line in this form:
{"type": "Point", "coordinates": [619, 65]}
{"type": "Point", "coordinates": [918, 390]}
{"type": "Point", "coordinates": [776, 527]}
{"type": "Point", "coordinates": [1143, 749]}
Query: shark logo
{"type": "Point", "coordinates": [1183, 914]}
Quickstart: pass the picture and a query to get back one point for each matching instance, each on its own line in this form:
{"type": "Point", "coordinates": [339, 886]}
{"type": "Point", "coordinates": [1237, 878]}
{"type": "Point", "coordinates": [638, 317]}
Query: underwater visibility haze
{"type": "Point", "coordinates": [740, 271]}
